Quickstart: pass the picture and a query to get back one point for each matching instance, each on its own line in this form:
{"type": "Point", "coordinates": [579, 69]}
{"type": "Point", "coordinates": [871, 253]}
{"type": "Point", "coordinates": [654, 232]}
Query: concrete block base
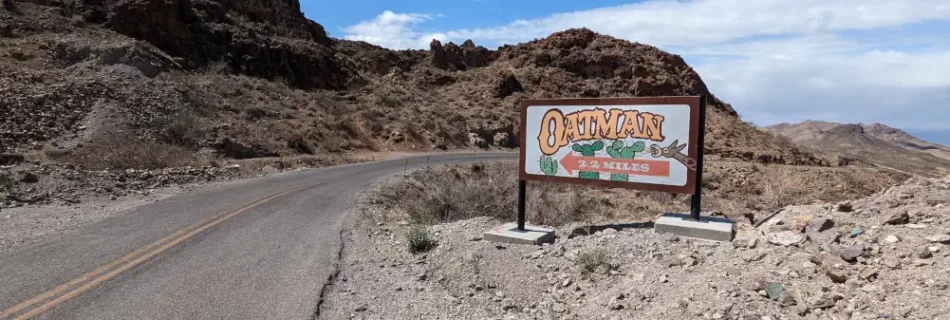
{"type": "Point", "coordinates": [509, 233]}
{"type": "Point", "coordinates": [708, 228]}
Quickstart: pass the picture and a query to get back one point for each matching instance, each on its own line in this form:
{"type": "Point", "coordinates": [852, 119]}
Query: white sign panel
{"type": "Point", "coordinates": [639, 143]}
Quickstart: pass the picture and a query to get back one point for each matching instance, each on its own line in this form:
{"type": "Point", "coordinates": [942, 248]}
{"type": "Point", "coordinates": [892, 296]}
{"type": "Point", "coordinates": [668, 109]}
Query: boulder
{"type": "Point", "coordinates": [502, 139]}
{"type": "Point", "coordinates": [820, 225]}
{"type": "Point", "coordinates": [851, 253]}
{"type": "Point", "coordinates": [844, 207]}
{"type": "Point", "coordinates": [868, 274]}
{"type": "Point", "coordinates": [774, 290]}
{"type": "Point", "coordinates": [900, 217]}
{"type": "Point", "coordinates": [837, 275]}
{"type": "Point", "coordinates": [26, 177]}
{"type": "Point", "coordinates": [891, 239]}
{"type": "Point", "coordinates": [506, 84]}
{"type": "Point", "coordinates": [477, 141]}
{"type": "Point", "coordinates": [822, 301]}
{"type": "Point", "coordinates": [939, 238]}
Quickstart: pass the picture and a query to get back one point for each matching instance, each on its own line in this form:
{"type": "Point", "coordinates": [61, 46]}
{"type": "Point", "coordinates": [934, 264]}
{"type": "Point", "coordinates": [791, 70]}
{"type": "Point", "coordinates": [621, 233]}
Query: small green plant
{"type": "Point", "coordinates": [549, 166]}
{"type": "Point", "coordinates": [420, 238]}
{"type": "Point", "coordinates": [588, 150]}
{"type": "Point", "coordinates": [618, 150]}
{"type": "Point", "coordinates": [594, 261]}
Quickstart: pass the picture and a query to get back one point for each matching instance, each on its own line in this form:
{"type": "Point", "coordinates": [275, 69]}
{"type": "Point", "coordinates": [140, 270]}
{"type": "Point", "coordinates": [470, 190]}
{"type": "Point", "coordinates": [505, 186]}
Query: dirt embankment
{"type": "Point", "coordinates": [883, 256]}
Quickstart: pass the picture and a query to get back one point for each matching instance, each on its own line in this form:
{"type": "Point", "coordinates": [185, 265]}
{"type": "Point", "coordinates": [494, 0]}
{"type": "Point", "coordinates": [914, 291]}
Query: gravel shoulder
{"type": "Point", "coordinates": [884, 256]}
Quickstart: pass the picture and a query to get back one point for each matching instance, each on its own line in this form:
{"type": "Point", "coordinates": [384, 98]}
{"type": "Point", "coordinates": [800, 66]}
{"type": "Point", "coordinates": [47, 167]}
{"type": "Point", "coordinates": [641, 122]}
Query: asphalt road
{"type": "Point", "coordinates": [257, 249]}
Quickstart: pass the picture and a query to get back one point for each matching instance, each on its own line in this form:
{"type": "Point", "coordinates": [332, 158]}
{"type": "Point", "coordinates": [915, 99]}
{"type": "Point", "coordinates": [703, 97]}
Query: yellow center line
{"type": "Point", "coordinates": [175, 238]}
{"type": "Point", "coordinates": [103, 268]}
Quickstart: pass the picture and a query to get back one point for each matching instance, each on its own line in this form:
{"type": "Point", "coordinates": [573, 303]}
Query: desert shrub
{"type": "Point", "coordinates": [254, 113]}
{"type": "Point", "coordinates": [122, 152]}
{"type": "Point", "coordinates": [10, 6]}
{"type": "Point", "coordinates": [459, 192]}
{"type": "Point", "coordinates": [8, 185]}
{"type": "Point", "coordinates": [183, 129]}
{"type": "Point", "coordinates": [420, 238]}
{"type": "Point", "coordinates": [452, 193]}
{"type": "Point", "coordinates": [595, 260]}
{"type": "Point", "coordinates": [219, 68]}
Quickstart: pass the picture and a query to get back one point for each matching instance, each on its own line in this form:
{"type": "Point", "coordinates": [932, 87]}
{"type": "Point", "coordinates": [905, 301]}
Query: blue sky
{"type": "Point", "coordinates": [773, 60]}
{"type": "Point", "coordinates": [459, 14]}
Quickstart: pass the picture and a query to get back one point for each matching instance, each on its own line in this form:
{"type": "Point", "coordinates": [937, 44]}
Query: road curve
{"type": "Point", "coordinates": [257, 249]}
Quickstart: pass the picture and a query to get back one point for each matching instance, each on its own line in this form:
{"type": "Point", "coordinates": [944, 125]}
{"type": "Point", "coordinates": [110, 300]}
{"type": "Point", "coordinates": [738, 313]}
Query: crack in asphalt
{"type": "Point", "coordinates": [331, 280]}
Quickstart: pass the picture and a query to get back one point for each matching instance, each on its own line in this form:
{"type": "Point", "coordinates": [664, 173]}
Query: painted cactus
{"type": "Point", "coordinates": [619, 151]}
{"type": "Point", "coordinates": [549, 166]}
{"type": "Point", "coordinates": [588, 150]}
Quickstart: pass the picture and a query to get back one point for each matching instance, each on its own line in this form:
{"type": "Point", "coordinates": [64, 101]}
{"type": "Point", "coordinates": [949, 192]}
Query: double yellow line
{"type": "Point", "coordinates": [86, 282]}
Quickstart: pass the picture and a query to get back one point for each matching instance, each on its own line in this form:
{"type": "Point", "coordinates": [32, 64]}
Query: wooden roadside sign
{"type": "Point", "coordinates": [644, 143]}
{"type": "Point", "coordinates": [637, 143]}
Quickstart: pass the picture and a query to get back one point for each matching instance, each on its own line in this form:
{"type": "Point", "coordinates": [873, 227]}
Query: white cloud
{"type": "Point", "coordinates": [391, 30]}
{"type": "Point", "coordinates": [774, 60]}
{"type": "Point", "coordinates": [667, 22]}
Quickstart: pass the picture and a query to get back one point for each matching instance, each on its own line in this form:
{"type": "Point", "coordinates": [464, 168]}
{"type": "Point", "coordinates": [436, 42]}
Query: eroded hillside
{"type": "Point", "coordinates": [246, 79]}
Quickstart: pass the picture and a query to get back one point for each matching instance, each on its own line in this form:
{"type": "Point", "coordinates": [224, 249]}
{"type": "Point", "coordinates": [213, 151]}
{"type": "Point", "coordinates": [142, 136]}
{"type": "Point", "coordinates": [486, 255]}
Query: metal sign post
{"type": "Point", "coordinates": [521, 204]}
{"type": "Point", "coordinates": [697, 198]}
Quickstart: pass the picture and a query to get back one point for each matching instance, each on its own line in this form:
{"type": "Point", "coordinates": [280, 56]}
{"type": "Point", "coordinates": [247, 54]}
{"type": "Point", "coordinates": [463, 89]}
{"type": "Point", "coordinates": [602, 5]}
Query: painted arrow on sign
{"type": "Point", "coordinates": [653, 168]}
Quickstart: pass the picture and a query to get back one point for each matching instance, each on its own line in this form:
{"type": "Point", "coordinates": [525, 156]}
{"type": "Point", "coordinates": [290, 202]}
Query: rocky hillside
{"type": "Point", "coordinates": [876, 144]}
{"type": "Point", "coordinates": [907, 141]}
{"type": "Point", "coordinates": [247, 79]}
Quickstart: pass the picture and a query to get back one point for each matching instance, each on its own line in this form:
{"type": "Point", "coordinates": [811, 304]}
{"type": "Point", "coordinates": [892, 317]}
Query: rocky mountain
{"type": "Point", "coordinates": [874, 143]}
{"type": "Point", "coordinates": [907, 141]}
{"type": "Point", "coordinates": [171, 80]}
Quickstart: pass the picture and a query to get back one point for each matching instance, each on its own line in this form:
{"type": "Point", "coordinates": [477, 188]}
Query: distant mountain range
{"type": "Point", "coordinates": [876, 143]}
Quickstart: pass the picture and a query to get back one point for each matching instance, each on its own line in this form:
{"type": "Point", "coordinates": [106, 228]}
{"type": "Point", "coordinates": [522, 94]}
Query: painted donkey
{"type": "Point", "coordinates": [673, 152]}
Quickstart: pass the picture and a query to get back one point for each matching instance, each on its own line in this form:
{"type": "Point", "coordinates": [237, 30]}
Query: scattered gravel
{"type": "Point", "coordinates": [834, 273]}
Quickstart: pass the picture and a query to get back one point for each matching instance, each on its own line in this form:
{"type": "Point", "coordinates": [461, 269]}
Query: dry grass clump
{"type": "Point", "coordinates": [461, 192]}
{"type": "Point", "coordinates": [8, 186]}
{"type": "Point", "coordinates": [420, 238]}
{"type": "Point", "coordinates": [299, 161]}
{"type": "Point", "coordinates": [124, 152]}
{"type": "Point", "coordinates": [595, 260]}
{"type": "Point", "coordinates": [735, 190]}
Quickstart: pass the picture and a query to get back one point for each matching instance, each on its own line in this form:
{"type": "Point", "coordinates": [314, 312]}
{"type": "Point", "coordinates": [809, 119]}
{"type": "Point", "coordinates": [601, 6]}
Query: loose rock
{"type": "Point", "coordinates": [786, 238]}
{"type": "Point", "coordinates": [774, 290]}
{"type": "Point", "coordinates": [753, 256]}
{"type": "Point", "coordinates": [851, 253]}
{"type": "Point", "coordinates": [857, 231]}
{"type": "Point", "coordinates": [844, 207]}
{"type": "Point", "coordinates": [820, 224]}
{"type": "Point", "coordinates": [898, 218]}
{"type": "Point", "coordinates": [939, 238]}
{"type": "Point", "coordinates": [891, 239]}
